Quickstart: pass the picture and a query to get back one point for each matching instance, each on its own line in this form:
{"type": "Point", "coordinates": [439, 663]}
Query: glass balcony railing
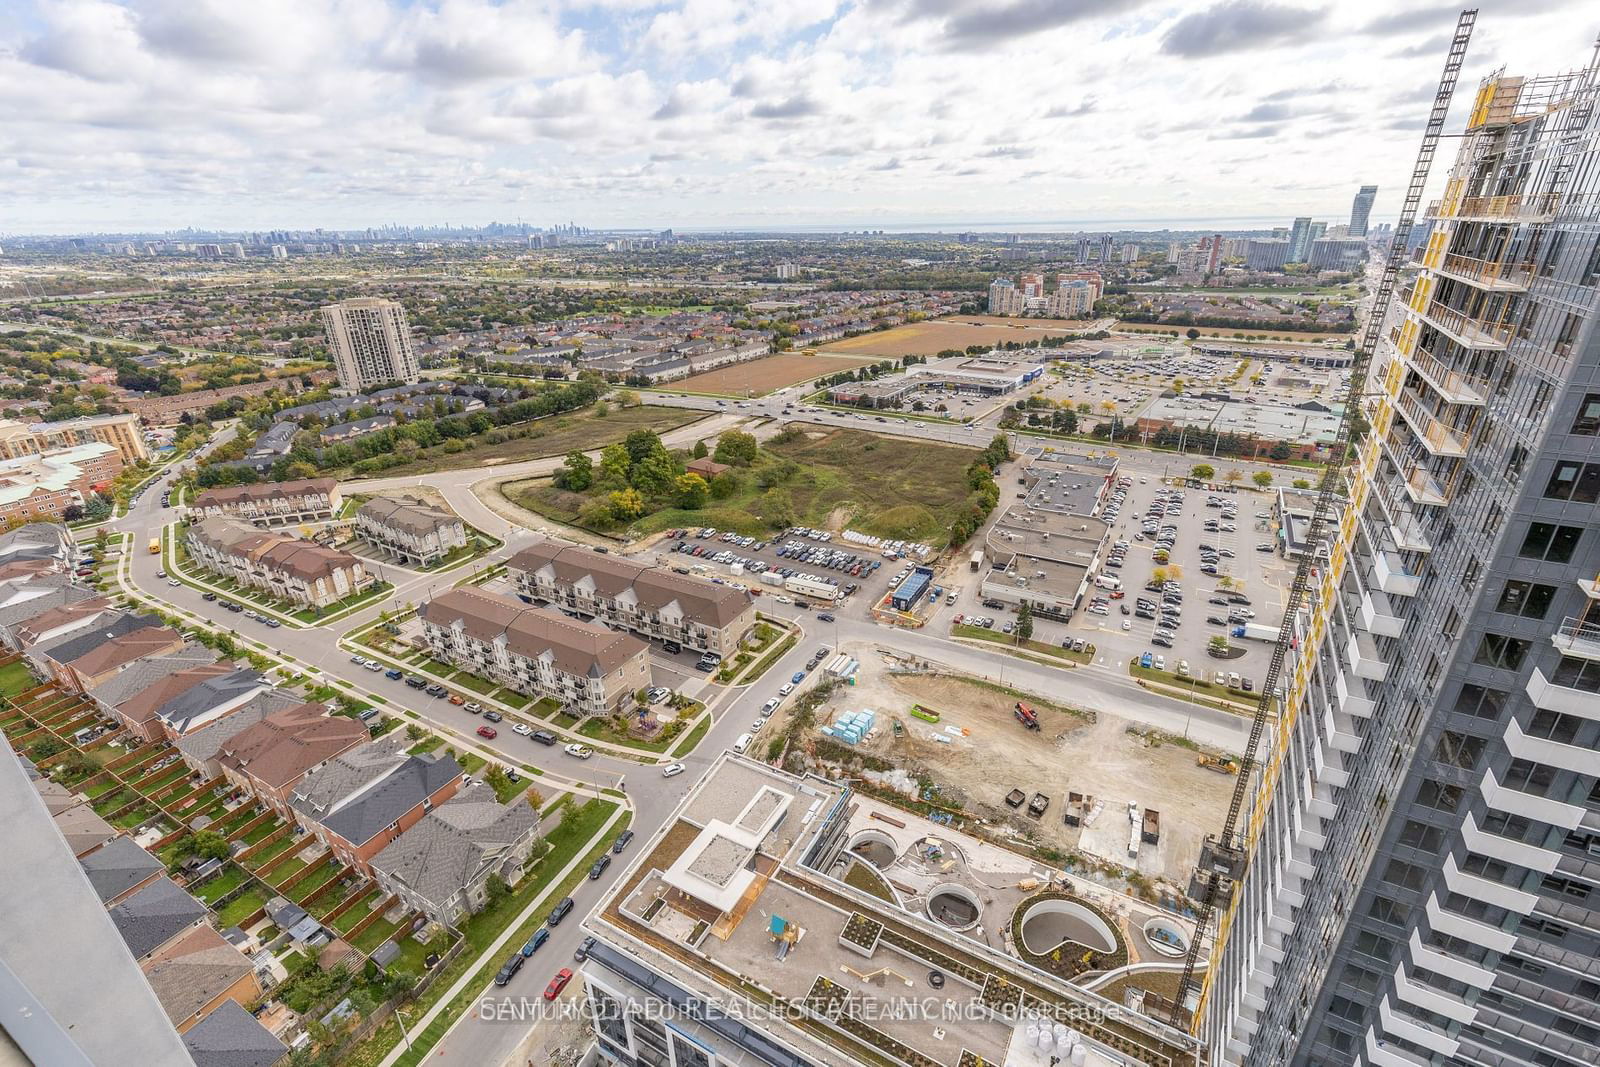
{"type": "Point", "coordinates": [1435, 436]}
{"type": "Point", "coordinates": [1455, 387]}
{"type": "Point", "coordinates": [1467, 330]}
{"type": "Point", "coordinates": [1494, 275]}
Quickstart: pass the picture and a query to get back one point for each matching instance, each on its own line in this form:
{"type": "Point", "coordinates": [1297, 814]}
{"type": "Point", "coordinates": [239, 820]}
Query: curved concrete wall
{"type": "Point", "coordinates": [1050, 923]}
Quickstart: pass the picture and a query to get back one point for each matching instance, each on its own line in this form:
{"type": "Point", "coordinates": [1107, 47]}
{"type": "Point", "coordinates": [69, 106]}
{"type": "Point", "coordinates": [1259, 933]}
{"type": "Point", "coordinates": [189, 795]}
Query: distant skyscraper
{"type": "Point", "coordinates": [1300, 240]}
{"type": "Point", "coordinates": [1032, 285]}
{"type": "Point", "coordinates": [1004, 297]}
{"type": "Point", "coordinates": [1130, 253]}
{"type": "Point", "coordinates": [787, 271]}
{"type": "Point", "coordinates": [1361, 210]}
{"type": "Point", "coordinates": [370, 342]}
{"type": "Point", "coordinates": [1214, 253]}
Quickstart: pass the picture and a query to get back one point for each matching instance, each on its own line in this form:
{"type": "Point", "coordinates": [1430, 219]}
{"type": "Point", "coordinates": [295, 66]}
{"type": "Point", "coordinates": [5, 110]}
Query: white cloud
{"type": "Point", "coordinates": [685, 112]}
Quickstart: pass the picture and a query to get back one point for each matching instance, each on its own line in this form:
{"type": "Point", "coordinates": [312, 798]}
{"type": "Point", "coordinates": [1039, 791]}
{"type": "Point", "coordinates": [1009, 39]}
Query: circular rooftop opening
{"type": "Point", "coordinates": [954, 906]}
{"type": "Point", "coordinates": [874, 846]}
{"type": "Point", "coordinates": [1050, 924]}
{"type": "Point", "coordinates": [1166, 937]}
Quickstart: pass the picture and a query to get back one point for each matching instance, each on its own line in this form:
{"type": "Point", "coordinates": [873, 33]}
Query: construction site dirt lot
{"type": "Point", "coordinates": [762, 376]}
{"type": "Point", "coordinates": [986, 752]}
{"type": "Point", "coordinates": [928, 338]}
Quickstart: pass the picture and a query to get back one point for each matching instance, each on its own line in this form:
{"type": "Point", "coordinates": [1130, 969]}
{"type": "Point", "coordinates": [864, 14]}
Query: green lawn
{"type": "Point", "coordinates": [350, 919]}
{"type": "Point", "coordinates": [427, 744]}
{"type": "Point", "coordinates": [689, 742]}
{"type": "Point", "coordinates": [892, 487]}
{"type": "Point", "coordinates": [376, 592]}
{"type": "Point", "coordinates": [241, 907]}
{"type": "Point", "coordinates": [15, 678]}
{"type": "Point", "coordinates": [375, 935]}
{"type": "Point", "coordinates": [329, 869]}
{"type": "Point", "coordinates": [599, 728]}
{"type": "Point", "coordinates": [259, 832]}
{"type": "Point", "coordinates": [473, 682]}
{"type": "Point", "coordinates": [512, 699]}
{"type": "Point", "coordinates": [271, 852]}
{"type": "Point", "coordinates": [505, 791]}
{"type": "Point", "coordinates": [221, 885]}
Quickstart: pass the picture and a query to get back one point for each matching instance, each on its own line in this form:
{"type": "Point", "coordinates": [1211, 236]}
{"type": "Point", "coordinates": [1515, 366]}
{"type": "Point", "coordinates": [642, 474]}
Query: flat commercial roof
{"type": "Point", "coordinates": [1275, 422]}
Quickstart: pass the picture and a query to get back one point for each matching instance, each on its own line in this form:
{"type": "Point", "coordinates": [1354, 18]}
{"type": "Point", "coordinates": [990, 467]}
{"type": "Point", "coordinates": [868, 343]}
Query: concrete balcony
{"type": "Point", "coordinates": [1391, 575]}
{"type": "Point", "coordinates": [1430, 999]}
{"type": "Point", "coordinates": [1554, 753]}
{"type": "Point", "coordinates": [1402, 524]}
{"type": "Point", "coordinates": [1379, 618]}
{"type": "Point", "coordinates": [1431, 959]}
{"type": "Point", "coordinates": [1436, 437]}
{"type": "Point", "coordinates": [1455, 387]}
{"type": "Point", "coordinates": [1423, 488]}
{"type": "Point", "coordinates": [1380, 1056]}
{"type": "Point", "coordinates": [1552, 697]}
{"type": "Point", "coordinates": [1503, 848]}
{"type": "Point", "coordinates": [1591, 589]}
{"type": "Point", "coordinates": [1577, 638]}
{"type": "Point", "coordinates": [1470, 930]}
{"type": "Point", "coordinates": [1490, 275]}
{"type": "Point", "coordinates": [1471, 885]}
{"type": "Point", "coordinates": [1516, 802]}
{"type": "Point", "coordinates": [1403, 1026]}
{"type": "Point", "coordinates": [1466, 330]}
{"type": "Point", "coordinates": [1364, 658]}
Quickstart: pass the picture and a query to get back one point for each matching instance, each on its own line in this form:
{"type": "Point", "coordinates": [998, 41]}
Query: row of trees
{"type": "Point", "coordinates": [985, 491]}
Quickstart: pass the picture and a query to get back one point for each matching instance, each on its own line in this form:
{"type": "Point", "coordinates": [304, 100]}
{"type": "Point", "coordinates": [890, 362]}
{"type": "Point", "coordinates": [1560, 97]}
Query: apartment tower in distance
{"type": "Point", "coordinates": [371, 343]}
{"type": "Point", "coordinates": [1361, 210]}
{"type": "Point", "coordinates": [1423, 875]}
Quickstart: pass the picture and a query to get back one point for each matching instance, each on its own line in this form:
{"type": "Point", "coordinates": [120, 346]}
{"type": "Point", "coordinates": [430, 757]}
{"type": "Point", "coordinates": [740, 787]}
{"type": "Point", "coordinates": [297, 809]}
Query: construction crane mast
{"type": "Point", "coordinates": [1224, 857]}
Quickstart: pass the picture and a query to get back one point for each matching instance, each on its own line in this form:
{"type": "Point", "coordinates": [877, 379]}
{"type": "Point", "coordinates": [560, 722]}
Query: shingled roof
{"type": "Point", "coordinates": [289, 742]}
{"type": "Point", "coordinates": [456, 843]}
{"type": "Point", "coordinates": [232, 1037]}
{"type": "Point", "coordinates": [411, 516]}
{"type": "Point", "coordinates": [578, 648]}
{"type": "Point", "coordinates": [656, 588]}
{"type": "Point", "coordinates": [155, 915]}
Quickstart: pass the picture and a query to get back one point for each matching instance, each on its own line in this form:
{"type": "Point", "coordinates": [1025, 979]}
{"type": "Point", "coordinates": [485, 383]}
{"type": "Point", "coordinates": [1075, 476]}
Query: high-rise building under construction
{"type": "Point", "coordinates": [1419, 857]}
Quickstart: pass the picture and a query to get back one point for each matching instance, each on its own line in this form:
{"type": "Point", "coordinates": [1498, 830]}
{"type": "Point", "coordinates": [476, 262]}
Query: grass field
{"type": "Point", "coordinates": [892, 487]}
{"type": "Point", "coordinates": [1232, 333]}
{"type": "Point", "coordinates": [554, 437]}
{"type": "Point", "coordinates": [762, 376]}
{"type": "Point", "coordinates": [936, 335]}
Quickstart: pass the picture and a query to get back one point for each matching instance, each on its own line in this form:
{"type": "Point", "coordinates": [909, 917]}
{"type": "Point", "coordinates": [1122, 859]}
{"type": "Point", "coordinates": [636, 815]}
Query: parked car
{"type": "Point", "coordinates": [492, 716]}
{"type": "Point", "coordinates": [579, 751]}
{"type": "Point", "coordinates": [599, 867]}
{"type": "Point", "coordinates": [558, 983]}
{"type": "Point", "coordinates": [672, 770]}
{"type": "Point", "coordinates": [509, 969]}
{"type": "Point", "coordinates": [487, 732]}
{"type": "Point", "coordinates": [540, 936]}
{"type": "Point", "coordinates": [622, 841]}
{"type": "Point", "coordinates": [581, 953]}
{"type": "Point", "coordinates": [544, 737]}
{"type": "Point", "coordinates": [457, 699]}
{"type": "Point", "coordinates": [560, 912]}
{"type": "Point", "coordinates": [474, 707]}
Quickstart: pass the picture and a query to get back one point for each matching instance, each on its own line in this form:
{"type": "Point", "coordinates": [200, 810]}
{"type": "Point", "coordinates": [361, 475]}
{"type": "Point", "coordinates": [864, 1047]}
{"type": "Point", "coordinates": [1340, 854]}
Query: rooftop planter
{"type": "Point", "coordinates": [1069, 960]}
{"type": "Point", "coordinates": [861, 934]}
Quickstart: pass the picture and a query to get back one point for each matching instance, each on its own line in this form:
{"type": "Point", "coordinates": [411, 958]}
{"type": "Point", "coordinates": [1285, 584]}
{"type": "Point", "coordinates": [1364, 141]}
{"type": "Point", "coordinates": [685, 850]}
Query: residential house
{"type": "Point", "coordinates": [145, 711]}
{"type": "Point", "coordinates": [80, 825]}
{"type": "Point", "coordinates": [232, 1037]}
{"type": "Point", "coordinates": [136, 675]}
{"type": "Point", "coordinates": [154, 915]}
{"type": "Point", "coordinates": [86, 657]}
{"type": "Point", "coordinates": [48, 543]}
{"type": "Point", "coordinates": [195, 974]}
{"type": "Point", "coordinates": [62, 620]}
{"type": "Point", "coordinates": [290, 568]}
{"type": "Point", "coordinates": [585, 667]}
{"type": "Point", "coordinates": [412, 530]}
{"type": "Point", "coordinates": [270, 758]}
{"type": "Point", "coordinates": [652, 601]}
{"type": "Point", "coordinates": [349, 431]}
{"type": "Point", "coordinates": [201, 747]}
{"type": "Point", "coordinates": [359, 802]}
{"type": "Point", "coordinates": [272, 503]}
{"type": "Point", "coordinates": [442, 865]}
{"type": "Point", "coordinates": [25, 597]}
{"type": "Point", "coordinates": [119, 868]}
{"type": "Point", "coordinates": [706, 467]}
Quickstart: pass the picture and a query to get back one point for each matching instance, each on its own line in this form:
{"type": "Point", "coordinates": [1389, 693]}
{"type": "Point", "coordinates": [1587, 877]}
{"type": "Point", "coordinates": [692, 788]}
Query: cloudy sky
{"type": "Point", "coordinates": [150, 114]}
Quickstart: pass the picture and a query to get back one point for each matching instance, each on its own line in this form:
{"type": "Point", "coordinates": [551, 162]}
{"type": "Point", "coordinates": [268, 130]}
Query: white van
{"type": "Point", "coordinates": [1106, 581]}
{"type": "Point", "coordinates": [743, 743]}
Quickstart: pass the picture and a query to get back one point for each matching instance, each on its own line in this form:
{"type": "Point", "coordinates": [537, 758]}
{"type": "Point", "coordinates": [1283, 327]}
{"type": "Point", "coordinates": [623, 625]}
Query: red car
{"type": "Point", "coordinates": [558, 983]}
{"type": "Point", "coordinates": [487, 731]}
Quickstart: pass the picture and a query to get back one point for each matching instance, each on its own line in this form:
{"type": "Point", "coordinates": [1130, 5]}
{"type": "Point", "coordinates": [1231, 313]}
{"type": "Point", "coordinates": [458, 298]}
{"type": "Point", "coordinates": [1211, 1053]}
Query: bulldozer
{"type": "Point", "coordinates": [1218, 763]}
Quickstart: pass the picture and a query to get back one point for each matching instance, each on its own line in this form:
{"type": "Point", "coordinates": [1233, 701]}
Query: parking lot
{"type": "Point", "coordinates": [817, 554]}
{"type": "Point", "coordinates": [1125, 631]}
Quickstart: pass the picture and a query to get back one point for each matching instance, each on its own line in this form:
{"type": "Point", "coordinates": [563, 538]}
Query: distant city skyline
{"type": "Point", "coordinates": [146, 115]}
